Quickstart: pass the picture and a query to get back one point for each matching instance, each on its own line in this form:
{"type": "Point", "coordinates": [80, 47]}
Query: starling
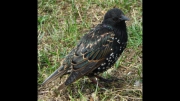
{"type": "Point", "coordinates": [96, 51]}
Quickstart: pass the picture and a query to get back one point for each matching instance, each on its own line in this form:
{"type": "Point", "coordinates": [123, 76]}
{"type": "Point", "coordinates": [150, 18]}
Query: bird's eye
{"type": "Point", "coordinates": [115, 19]}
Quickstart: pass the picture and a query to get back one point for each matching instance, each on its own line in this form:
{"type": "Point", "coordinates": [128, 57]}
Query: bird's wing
{"type": "Point", "coordinates": [92, 50]}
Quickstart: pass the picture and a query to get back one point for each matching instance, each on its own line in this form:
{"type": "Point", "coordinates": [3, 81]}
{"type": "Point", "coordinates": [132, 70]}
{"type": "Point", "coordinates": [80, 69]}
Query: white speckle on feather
{"type": "Point", "coordinates": [103, 64]}
{"type": "Point", "coordinates": [118, 41]}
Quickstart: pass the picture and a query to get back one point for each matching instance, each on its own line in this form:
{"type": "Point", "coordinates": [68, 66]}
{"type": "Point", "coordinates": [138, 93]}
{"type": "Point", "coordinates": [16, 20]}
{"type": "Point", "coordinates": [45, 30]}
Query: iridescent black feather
{"type": "Point", "coordinates": [97, 50]}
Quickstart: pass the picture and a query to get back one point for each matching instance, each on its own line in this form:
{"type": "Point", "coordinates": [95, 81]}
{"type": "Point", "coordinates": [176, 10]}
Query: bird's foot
{"type": "Point", "coordinates": [94, 81]}
{"type": "Point", "coordinates": [106, 80]}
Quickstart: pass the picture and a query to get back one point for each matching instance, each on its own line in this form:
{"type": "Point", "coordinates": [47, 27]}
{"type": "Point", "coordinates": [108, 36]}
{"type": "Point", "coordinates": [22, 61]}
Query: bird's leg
{"type": "Point", "coordinates": [106, 80]}
{"type": "Point", "coordinates": [94, 81]}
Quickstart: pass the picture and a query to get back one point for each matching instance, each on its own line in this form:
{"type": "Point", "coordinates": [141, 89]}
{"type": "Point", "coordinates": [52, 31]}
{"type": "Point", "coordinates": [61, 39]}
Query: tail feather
{"type": "Point", "coordinates": [58, 73]}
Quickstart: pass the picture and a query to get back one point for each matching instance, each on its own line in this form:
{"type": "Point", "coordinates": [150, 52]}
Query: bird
{"type": "Point", "coordinates": [96, 51]}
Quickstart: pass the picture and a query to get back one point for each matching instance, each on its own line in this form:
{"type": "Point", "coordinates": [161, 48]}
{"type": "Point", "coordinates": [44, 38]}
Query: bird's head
{"type": "Point", "coordinates": [114, 17]}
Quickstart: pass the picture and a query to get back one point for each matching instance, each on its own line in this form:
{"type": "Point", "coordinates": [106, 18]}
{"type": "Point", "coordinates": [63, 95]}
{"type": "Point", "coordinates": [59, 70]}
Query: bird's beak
{"type": "Point", "coordinates": [124, 18]}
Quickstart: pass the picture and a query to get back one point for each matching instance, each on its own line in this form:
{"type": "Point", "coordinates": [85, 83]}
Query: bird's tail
{"type": "Point", "coordinates": [58, 73]}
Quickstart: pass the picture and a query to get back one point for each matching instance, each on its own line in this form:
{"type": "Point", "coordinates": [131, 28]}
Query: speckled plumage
{"type": "Point", "coordinates": [97, 50]}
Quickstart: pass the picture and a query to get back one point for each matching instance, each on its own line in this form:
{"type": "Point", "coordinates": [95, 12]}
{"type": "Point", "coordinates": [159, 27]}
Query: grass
{"type": "Point", "coordinates": [61, 23]}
